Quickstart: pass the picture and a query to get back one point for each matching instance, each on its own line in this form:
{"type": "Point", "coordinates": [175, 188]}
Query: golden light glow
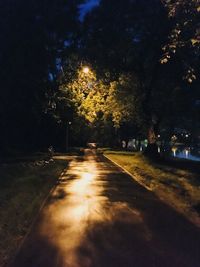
{"type": "Point", "coordinates": [174, 150]}
{"type": "Point", "coordinates": [86, 70]}
{"type": "Point", "coordinates": [78, 204]}
{"type": "Point", "coordinates": [78, 200]}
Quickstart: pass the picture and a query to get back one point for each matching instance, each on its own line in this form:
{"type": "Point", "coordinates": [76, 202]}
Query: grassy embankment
{"type": "Point", "coordinates": [175, 182]}
{"type": "Point", "coordinates": [23, 187]}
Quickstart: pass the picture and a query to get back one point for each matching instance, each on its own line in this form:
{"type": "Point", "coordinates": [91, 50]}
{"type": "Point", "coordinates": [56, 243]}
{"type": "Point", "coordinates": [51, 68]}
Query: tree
{"type": "Point", "coordinates": [184, 39]}
{"type": "Point", "coordinates": [130, 40]}
{"type": "Point", "coordinates": [34, 36]}
{"type": "Point", "coordinates": [101, 104]}
{"type": "Point", "coordinates": [181, 54]}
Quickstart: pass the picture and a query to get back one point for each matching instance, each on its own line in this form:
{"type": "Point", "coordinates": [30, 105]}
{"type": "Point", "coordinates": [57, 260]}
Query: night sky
{"type": "Point", "coordinates": [85, 8]}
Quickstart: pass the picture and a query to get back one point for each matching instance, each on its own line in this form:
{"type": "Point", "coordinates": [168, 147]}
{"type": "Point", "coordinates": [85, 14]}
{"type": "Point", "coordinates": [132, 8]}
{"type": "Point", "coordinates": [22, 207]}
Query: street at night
{"type": "Point", "coordinates": [98, 216]}
{"type": "Point", "coordinates": [99, 133]}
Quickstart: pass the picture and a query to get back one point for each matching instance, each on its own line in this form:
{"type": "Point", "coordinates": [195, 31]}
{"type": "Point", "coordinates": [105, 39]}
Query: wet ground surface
{"type": "Point", "coordinates": [98, 216]}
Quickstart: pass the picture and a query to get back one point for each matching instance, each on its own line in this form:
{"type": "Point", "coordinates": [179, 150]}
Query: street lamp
{"type": "Point", "coordinates": [86, 70]}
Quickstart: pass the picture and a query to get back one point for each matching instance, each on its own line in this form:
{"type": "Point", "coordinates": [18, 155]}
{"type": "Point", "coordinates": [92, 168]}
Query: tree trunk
{"type": "Point", "coordinates": [152, 147]}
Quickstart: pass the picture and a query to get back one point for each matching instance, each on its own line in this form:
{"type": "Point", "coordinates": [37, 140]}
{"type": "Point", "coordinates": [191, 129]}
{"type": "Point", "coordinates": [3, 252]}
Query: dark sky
{"type": "Point", "coordinates": [85, 8]}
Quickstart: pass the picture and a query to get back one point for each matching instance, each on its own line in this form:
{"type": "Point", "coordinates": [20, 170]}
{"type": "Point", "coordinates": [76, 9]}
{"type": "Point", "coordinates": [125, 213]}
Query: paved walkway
{"type": "Point", "coordinates": [99, 216]}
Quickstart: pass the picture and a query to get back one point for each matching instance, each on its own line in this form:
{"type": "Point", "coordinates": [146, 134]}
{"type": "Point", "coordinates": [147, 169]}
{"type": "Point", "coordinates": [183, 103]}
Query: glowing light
{"type": "Point", "coordinates": [174, 138]}
{"type": "Point", "coordinates": [187, 153]}
{"type": "Point", "coordinates": [82, 187]}
{"type": "Point", "coordinates": [79, 200]}
{"type": "Point", "coordinates": [86, 70]}
{"type": "Point", "coordinates": [174, 150]}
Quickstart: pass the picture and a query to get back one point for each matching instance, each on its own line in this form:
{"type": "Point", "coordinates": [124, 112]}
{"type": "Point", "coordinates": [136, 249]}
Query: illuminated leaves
{"type": "Point", "coordinates": [94, 100]}
{"type": "Point", "coordinates": [195, 41]}
{"type": "Point", "coordinates": [184, 40]}
{"type": "Point", "coordinates": [190, 75]}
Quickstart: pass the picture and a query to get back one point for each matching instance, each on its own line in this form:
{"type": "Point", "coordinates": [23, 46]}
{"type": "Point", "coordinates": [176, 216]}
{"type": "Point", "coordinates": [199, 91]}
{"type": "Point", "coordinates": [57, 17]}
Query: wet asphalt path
{"type": "Point", "coordinates": [98, 216]}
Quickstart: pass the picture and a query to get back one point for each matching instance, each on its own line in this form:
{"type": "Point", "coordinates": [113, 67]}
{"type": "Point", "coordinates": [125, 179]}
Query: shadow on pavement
{"type": "Point", "coordinates": [100, 217]}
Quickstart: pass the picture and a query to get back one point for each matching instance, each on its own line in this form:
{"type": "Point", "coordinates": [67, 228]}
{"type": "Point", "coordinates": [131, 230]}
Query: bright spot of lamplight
{"type": "Point", "coordinates": [87, 176]}
{"type": "Point", "coordinates": [187, 153]}
{"type": "Point", "coordinates": [86, 70]}
{"type": "Point", "coordinates": [174, 150]}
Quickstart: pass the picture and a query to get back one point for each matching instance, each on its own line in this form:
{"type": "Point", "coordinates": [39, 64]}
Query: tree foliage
{"type": "Point", "coordinates": [99, 102]}
{"type": "Point", "coordinates": [125, 47]}
{"type": "Point", "coordinates": [44, 47]}
{"type": "Point", "coordinates": [184, 39]}
{"type": "Point", "coordinates": [33, 38]}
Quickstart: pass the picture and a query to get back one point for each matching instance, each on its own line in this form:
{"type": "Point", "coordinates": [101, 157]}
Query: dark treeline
{"type": "Point", "coordinates": [145, 56]}
{"type": "Point", "coordinates": [32, 35]}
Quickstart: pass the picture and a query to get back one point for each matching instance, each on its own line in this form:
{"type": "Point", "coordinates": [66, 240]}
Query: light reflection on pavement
{"type": "Point", "coordinates": [80, 203]}
{"type": "Point", "coordinates": [99, 216]}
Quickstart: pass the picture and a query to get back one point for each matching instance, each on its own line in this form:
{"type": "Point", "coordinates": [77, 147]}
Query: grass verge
{"type": "Point", "coordinates": [179, 187]}
{"type": "Point", "coordinates": [23, 187]}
